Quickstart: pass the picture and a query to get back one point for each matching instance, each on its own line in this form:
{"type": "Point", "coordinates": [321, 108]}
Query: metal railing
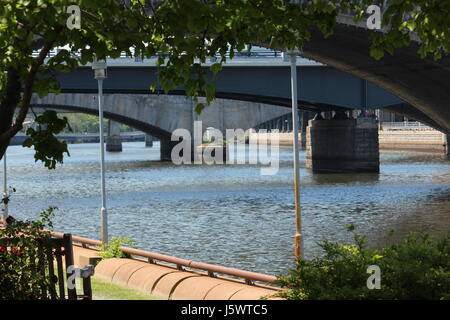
{"type": "Point", "coordinates": [405, 125]}
{"type": "Point", "coordinates": [257, 53]}
{"type": "Point", "coordinates": [151, 257]}
{"type": "Point", "coordinates": [256, 57]}
{"type": "Point", "coordinates": [282, 123]}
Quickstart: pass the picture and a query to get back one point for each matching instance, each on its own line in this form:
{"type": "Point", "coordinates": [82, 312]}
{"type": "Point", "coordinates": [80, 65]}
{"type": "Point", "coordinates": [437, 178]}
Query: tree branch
{"type": "Point", "coordinates": [28, 89]}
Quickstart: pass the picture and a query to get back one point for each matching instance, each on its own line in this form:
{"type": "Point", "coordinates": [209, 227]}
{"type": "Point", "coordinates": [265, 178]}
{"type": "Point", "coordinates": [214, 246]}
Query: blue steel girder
{"type": "Point", "coordinates": [320, 88]}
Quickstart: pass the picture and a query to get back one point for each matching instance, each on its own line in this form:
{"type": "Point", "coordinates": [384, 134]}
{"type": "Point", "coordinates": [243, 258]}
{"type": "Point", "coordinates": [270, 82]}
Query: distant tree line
{"type": "Point", "coordinates": [85, 123]}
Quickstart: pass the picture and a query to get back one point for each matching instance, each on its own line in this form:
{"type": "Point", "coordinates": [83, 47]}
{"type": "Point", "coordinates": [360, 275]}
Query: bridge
{"type": "Point", "coordinates": [344, 77]}
{"type": "Point", "coordinates": [421, 83]}
{"type": "Point", "coordinates": [263, 80]}
{"type": "Point", "coordinates": [159, 115]}
{"type": "Point", "coordinates": [262, 76]}
{"type": "Point", "coordinates": [251, 90]}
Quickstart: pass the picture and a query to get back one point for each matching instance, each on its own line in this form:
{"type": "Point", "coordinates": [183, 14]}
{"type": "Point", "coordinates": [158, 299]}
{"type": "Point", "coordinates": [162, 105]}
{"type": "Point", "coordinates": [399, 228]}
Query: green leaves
{"type": "Point", "coordinates": [199, 108]}
{"type": "Point", "coordinates": [215, 68]}
{"type": "Point", "coordinates": [48, 148]}
{"type": "Point", "coordinates": [21, 244]}
{"type": "Point", "coordinates": [112, 248]}
{"type": "Point", "coordinates": [377, 53]}
{"type": "Point", "coordinates": [418, 267]}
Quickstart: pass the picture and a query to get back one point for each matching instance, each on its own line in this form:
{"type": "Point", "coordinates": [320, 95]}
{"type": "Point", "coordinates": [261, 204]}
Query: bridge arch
{"type": "Point", "coordinates": [160, 115]}
{"type": "Point", "coordinates": [136, 124]}
{"type": "Point", "coordinates": [422, 83]}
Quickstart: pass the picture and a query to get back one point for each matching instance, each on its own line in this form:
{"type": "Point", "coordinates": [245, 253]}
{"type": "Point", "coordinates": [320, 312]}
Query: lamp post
{"type": "Point", "coordinates": [5, 191]}
{"type": "Point", "coordinates": [99, 67]}
{"type": "Point", "coordinates": [5, 185]}
{"type": "Point", "coordinates": [298, 241]}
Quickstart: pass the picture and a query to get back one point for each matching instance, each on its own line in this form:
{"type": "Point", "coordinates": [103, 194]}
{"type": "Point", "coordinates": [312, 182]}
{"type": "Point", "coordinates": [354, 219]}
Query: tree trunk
{"type": "Point", "coordinates": [8, 106]}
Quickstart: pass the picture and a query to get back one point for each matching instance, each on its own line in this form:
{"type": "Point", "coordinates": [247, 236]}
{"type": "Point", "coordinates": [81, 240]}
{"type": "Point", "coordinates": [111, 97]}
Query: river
{"type": "Point", "coordinates": [230, 214]}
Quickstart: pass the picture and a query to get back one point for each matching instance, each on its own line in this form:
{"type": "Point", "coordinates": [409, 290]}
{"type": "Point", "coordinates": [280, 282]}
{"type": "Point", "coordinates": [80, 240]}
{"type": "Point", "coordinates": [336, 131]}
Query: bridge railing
{"type": "Point", "coordinates": [152, 257]}
{"type": "Point", "coordinates": [282, 123]}
{"type": "Point", "coordinates": [250, 54]}
{"type": "Point", "coordinates": [406, 125]}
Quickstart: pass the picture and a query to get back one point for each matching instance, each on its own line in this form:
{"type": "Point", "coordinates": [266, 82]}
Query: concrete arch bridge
{"type": "Point", "coordinates": [159, 115]}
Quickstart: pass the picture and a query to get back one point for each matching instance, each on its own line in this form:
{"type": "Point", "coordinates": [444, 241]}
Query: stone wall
{"type": "Point", "coordinates": [413, 141]}
{"type": "Point", "coordinates": [347, 145]}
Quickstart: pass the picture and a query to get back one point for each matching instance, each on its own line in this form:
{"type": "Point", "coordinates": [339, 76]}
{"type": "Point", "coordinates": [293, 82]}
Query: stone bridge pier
{"type": "Point", "coordinates": [166, 147]}
{"type": "Point", "coordinates": [343, 144]}
{"type": "Point", "coordinates": [149, 141]}
{"type": "Point", "coordinates": [113, 141]}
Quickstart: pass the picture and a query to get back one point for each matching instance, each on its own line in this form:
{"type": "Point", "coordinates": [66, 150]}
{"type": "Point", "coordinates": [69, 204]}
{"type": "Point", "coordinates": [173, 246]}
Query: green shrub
{"type": "Point", "coordinates": [416, 268]}
{"type": "Point", "coordinates": [20, 244]}
{"type": "Point", "coordinates": [112, 248]}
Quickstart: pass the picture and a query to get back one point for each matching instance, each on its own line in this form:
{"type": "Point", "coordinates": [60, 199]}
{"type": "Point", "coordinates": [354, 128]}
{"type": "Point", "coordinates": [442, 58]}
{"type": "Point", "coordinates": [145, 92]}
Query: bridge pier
{"type": "Point", "coordinates": [114, 140]}
{"type": "Point", "coordinates": [204, 153]}
{"type": "Point", "coordinates": [343, 145]}
{"type": "Point", "coordinates": [303, 126]}
{"type": "Point", "coordinates": [148, 141]}
{"type": "Point", "coordinates": [166, 146]}
{"type": "Point", "coordinates": [447, 145]}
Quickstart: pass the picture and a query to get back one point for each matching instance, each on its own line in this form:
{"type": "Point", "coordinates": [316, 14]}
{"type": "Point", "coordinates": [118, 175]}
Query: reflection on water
{"type": "Point", "coordinates": [230, 214]}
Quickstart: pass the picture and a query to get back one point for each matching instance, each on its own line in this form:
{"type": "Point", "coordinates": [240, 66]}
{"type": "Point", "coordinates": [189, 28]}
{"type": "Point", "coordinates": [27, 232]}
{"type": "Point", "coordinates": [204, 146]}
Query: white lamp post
{"type": "Point", "coordinates": [99, 67]}
{"type": "Point", "coordinates": [5, 191]}
{"type": "Point", "coordinates": [5, 187]}
{"type": "Point", "coordinates": [298, 241]}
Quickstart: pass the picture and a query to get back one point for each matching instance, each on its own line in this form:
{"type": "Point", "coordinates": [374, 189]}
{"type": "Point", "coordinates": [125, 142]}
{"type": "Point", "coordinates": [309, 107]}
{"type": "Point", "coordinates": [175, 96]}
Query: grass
{"type": "Point", "coordinates": [102, 290]}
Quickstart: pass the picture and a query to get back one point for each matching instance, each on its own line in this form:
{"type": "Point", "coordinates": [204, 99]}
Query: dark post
{"type": "Point", "coordinates": [68, 250]}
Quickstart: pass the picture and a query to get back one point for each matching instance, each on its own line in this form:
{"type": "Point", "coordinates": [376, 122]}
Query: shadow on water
{"type": "Point", "coordinates": [344, 178]}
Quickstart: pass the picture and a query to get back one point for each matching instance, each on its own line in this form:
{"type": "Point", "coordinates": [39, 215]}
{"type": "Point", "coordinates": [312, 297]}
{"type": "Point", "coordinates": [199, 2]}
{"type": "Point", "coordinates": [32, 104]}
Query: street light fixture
{"type": "Point", "coordinates": [298, 241]}
{"type": "Point", "coordinates": [99, 67]}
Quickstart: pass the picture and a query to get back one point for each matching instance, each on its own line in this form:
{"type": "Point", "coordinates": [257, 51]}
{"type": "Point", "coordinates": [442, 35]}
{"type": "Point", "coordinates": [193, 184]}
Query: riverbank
{"type": "Point", "coordinates": [390, 141]}
{"type": "Point", "coordinates": [83, 138]}
{"type": "Point", "coordinates": [170, 278]}
{"type": "Point", "coordinates": [413, 141]}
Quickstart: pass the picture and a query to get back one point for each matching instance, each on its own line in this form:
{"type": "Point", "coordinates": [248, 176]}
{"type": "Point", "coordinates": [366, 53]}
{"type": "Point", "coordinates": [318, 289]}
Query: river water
{"type": "Point", "coordinates": [230, 214]}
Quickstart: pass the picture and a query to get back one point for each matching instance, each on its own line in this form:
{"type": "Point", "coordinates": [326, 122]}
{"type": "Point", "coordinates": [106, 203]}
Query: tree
{"type": "Point", "coordinates": [108, 29]}
{"type": "Point", "coordinates": [184, 34]}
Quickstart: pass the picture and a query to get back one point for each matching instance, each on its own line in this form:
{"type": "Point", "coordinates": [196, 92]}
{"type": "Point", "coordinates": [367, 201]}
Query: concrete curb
{"type": "Point", "coordinates": [167, 282]}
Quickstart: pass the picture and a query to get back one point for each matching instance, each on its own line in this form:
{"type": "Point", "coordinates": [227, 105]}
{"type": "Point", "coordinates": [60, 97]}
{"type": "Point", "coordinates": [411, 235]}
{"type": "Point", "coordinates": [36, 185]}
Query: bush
{"type": "Point", "coordinates": [416, 268]}
{"type": "Point", "coordinates": [20, 268]}
{"type": "Point", "coordinates": [112, 248]}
